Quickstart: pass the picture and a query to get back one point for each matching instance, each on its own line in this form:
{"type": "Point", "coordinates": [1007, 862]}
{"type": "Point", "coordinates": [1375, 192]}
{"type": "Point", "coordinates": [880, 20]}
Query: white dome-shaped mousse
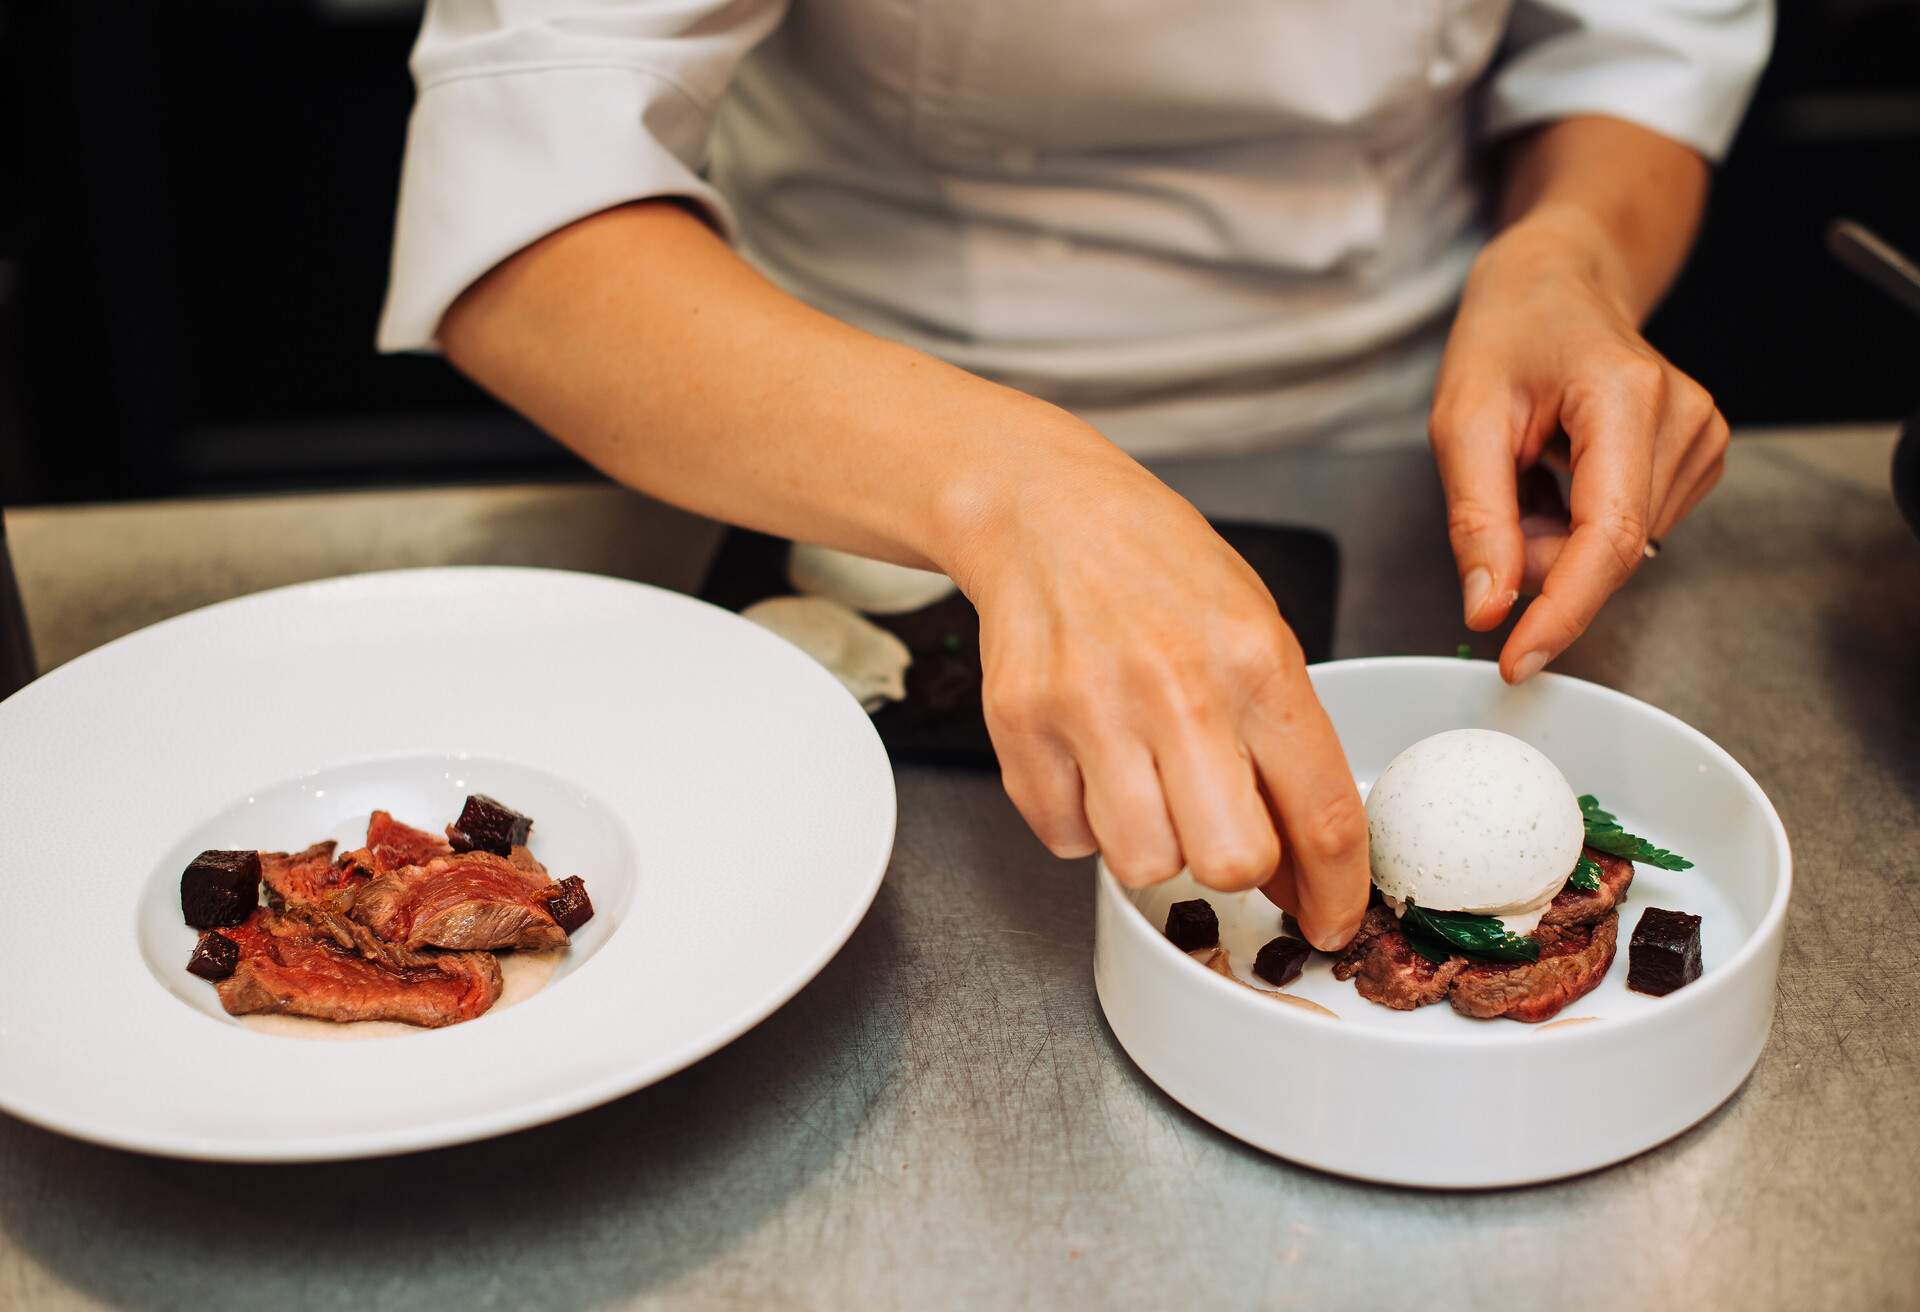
{"type": "Point", "coordinates": [1474, 820]}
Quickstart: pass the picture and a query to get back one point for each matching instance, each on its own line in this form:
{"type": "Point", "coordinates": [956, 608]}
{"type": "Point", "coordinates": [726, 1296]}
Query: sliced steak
{"type": "Point", "coordinates": [1385, 969]}
{"type": "Point", "coordinates": [1573, 959]}
{"type": "Point", "coordinates": [1572, 906]}
{"type": "Point", "coordinates": [288, 966]}
{"type": "Point", "coordinates": [300, 878]}
{"type": "Point", "coordinates": [474, 900]}
{"type": "Point", "coordinates": [395, 846]}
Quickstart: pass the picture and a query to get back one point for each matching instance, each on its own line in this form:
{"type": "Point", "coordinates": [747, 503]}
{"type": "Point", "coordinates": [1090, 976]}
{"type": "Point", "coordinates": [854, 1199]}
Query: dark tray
{"type": "Point", "coordinates": [940, 722]}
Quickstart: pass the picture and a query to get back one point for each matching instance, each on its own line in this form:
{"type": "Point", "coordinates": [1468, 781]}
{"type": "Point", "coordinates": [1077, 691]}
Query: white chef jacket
{"type": "Point", "coordinates": [1199, 224]}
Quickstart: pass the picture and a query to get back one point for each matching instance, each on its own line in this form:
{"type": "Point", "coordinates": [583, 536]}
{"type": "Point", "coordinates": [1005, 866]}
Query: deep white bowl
{"type": "Point", "coordinates": [1432, 1098]}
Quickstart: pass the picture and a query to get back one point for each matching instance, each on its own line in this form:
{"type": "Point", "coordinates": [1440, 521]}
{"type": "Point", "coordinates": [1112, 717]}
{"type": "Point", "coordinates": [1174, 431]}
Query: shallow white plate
{"type": "Point", "coordinates": [1431, 1097]}
{"type": "Point", "coordinates": [727, 802]}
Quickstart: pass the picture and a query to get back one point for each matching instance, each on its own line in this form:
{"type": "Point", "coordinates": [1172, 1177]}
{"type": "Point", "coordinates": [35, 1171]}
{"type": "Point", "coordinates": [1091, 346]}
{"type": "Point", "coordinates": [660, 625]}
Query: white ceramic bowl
{"type": "Point", "coordinates": [1431, 1098]}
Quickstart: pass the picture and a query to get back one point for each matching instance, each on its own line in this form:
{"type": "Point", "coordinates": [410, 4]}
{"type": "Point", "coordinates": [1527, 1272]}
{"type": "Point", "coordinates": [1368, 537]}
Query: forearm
{"type": "Point", "coordinates": [1623, 200]}
{"type": "Point", "coordinates": [639, 339]}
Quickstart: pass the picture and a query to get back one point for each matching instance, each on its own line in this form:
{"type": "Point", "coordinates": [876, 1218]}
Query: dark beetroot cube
{"type": "Point", "coordinates": [571, 906]}
{"type": "Point", "coordinates": [220, 888]}
{"type": "Point", "coordinates": [1280, 962]}
{"type": "Point", "coordinates": [1664, 953]}
{"type": "Point", "coordinates": [214, 956]}
{"type": "Point", "coordinates": [488, 826]}
{"type": "Point", "coordinates": [1193, 925]}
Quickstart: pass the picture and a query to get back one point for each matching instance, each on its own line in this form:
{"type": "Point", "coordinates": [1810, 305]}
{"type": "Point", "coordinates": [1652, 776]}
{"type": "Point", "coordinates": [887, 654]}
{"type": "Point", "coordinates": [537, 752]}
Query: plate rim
{"type": "Point", "coordinates": [523, 1114]}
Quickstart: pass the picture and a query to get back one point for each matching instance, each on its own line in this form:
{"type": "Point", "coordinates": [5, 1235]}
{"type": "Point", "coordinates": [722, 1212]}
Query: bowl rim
{"type": "Point", "coordinates": [1677, 1009]}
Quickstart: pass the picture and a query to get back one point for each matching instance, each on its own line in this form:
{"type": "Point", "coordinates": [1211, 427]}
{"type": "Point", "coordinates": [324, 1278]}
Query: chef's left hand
{"type": "Point", "coordinates": [1543, 344]}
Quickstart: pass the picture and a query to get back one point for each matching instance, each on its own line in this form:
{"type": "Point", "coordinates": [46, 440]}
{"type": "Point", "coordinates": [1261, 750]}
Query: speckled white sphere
{"type": "Point", "coordinates": [1473, 820]}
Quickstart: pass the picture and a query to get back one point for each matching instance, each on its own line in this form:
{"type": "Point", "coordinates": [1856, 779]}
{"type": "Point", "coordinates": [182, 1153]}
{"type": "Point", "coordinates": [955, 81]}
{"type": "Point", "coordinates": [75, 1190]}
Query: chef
{"type": "Point", "coordinates": [925, 281]}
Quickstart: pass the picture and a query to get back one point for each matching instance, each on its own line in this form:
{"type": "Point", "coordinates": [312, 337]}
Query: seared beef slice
{"type": "Point", "coordinates": [474, 900]}
{"type": "Point", "coordinates": [395, 846]}
{"type": "Point", "coordinates": [1573, 959]}
{"type": "Point", "coordinates": [287, 966]}
{"type": "Point", "coordinates": [1385, 969]}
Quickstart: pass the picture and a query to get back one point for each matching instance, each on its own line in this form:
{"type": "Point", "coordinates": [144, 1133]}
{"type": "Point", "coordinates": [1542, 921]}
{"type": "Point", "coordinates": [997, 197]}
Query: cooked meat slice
{"type": "Point", "coordinates": [289, 967]}
{"type": "Point", "coordinates": [1572, 906]}
{"type": "Point", "coordinates": [1573, 959]}
{"type": "Point", "coordinates": [1385, 969]}
{"type": "Point", "coordinates": [471, 901]}
{"type": "Point", "coordinates": [521, 859]}
{"type": "Point", "coordinates": [298, 878]}
{"type": "Point", "coordinates": [395, 846]}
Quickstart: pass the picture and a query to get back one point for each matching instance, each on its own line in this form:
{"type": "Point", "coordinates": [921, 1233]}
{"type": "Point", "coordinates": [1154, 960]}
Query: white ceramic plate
{"type": "Point", "coordinates": [727, 802]}
{"type": "Point", "coordinates": [1433, 1098]}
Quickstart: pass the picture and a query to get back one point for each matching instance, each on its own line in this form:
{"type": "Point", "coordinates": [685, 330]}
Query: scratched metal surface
{"type": "Point", "coordinates": [942, 1118]}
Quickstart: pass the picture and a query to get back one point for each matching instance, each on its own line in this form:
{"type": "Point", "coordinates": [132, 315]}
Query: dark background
{"type": "Point", "coordinates": [196, 198]}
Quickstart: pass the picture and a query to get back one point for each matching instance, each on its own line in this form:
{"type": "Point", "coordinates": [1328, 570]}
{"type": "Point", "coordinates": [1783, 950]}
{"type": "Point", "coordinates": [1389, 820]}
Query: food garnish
{"type": "Point", "coordinates": [1664, 953]}
{"type": "Point", "coordinates": [1281, 960]}
{"type": "Point", "coordinates": [1605, 834]}
{"type": "Point", "coordinates": [1192, 925]}
{"type": "Point", "coordinates": [1436, 935]}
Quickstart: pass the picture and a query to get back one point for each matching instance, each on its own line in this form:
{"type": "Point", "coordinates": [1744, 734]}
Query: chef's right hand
{"type": "Point", "coordinates": [1147, 701]}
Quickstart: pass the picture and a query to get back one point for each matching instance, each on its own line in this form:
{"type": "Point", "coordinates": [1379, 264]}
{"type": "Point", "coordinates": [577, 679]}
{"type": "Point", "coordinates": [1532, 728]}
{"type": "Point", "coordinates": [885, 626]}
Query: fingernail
{"type": "Point", "coordinates": [1528, 666]}
{"type": "Point", "coordinates": [1479, 583]}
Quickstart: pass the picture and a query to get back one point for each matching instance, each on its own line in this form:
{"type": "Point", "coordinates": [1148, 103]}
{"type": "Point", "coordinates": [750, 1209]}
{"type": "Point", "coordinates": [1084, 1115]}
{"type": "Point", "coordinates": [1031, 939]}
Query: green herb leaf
{"type": "Point", "coordinates": [1586, 875]}
{"type": "Point", "coordinates": [1604, 834]}
{"type": "Point", "coordinates": [1483, 937]}
{"type": "Point", "coordinates": [1464, 652]}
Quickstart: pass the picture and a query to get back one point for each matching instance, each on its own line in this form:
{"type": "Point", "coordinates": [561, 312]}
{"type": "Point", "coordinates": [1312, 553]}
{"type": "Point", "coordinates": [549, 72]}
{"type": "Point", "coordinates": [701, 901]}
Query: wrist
{"type": "Point", "coordinates": [1568, 241]}
{"type": "Point", "coordinates": [1041, 466]}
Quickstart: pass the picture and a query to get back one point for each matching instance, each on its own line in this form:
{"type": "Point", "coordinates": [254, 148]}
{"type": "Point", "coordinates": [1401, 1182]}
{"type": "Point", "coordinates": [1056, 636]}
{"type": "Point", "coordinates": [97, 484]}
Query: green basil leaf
{"type": "Point", "coordinates": [1585, 876]}
{"type": "Point", "coordinates": [1604, 834]}
{"type": "Point", "coordinates": [1483, 937]}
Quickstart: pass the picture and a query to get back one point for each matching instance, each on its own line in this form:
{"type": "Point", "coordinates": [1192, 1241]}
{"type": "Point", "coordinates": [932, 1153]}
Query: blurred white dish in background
{"type": "Point", "coordinates": [874, 586]}
{"type": "Point", "coordinates": [871, 662]}
{"type": "Point", "coordinates": [1474, 820]}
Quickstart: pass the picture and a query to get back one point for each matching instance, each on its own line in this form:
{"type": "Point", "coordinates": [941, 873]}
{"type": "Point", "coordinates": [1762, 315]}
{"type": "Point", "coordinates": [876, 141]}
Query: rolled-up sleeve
{"type": "Point", "coordinates": [1684, 68]}
{"type": "Point", "coordinates": [530, 114]}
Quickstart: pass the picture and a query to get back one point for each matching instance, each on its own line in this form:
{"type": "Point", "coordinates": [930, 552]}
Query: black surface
{"type": "Point", "coordinates": [16, 647]}
{"type": "Point", "coordinates": [941, 722]}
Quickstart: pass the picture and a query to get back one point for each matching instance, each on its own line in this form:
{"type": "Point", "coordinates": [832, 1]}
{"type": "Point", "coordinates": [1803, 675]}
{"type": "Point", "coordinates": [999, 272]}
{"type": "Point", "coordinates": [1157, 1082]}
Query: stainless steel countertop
{"type": "Point", "coordinates": [943, 1118]}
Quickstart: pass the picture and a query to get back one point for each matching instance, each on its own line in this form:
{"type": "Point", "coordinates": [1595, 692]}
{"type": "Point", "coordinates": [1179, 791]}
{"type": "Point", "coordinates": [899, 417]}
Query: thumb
{"type": "Point", "coordinates": [1475, 453]}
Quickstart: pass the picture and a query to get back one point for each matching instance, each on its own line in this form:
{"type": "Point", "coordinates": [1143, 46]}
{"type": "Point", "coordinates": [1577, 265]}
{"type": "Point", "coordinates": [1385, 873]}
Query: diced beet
{"type": "Point", "coordinates": [220, 888]}
{"type": "Point", "coordinates": [488, 826]}
{"type": "Point", "coordinates": [1664, 953]}
{"type": "Point", "coordinates": [1193, 925]}
{"type": "Point", "coordinates": [1282, 959]}
{"type": "Point", "coordinates": [214, 956]}
{"type": "Point", "coordinates": [571, 906]}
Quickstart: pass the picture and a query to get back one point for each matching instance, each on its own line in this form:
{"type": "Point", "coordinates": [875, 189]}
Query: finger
{"type": "Point", "coordinates": [1474, 449]}
{"type": "Point", "coordinates": [1128, 813]}
{"type": "Point", "coordinates": [1324, 826]}
{"type": "Point", "coordinates": [1705, 454]}
{"type": "Point", "coordinates": [1612, 472]}
{"type": "Point", "coordinates": [1544, 539]}
{"type": "Point", "coordinates": [1040, 776]}
{"type": "Point", "coordinates": [1283, 890]}
{"type": "Point", "coordinates": [1699, 493]}
{"type": "Point", "coordinates": [1219, 817]}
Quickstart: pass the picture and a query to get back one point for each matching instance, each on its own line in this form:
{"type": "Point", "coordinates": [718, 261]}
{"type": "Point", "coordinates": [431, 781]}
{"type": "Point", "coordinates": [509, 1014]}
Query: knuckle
{"type": "Point", "coordinates": [1138, 868]}
{"type": "Point", "coordinates": [1020, 706]}
{"type": "Point", "coordinates": [1625, 534]}
{"type": "Point", "coordinates": [1337, 834]}
{"type": "Point", "coordinates": [1641, 374]}
{"type": "Point", "coordinates": [1235, 867]}
{"type": "Point", "coordinates": [1469, 520]}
